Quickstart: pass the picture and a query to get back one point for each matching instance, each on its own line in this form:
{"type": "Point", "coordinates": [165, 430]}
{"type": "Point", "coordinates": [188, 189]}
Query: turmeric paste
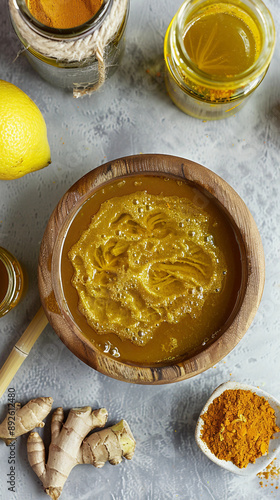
{"type": "Point", "coordinates": [145, 260]}
{"type": "Point", "coordinates": [238, 426]}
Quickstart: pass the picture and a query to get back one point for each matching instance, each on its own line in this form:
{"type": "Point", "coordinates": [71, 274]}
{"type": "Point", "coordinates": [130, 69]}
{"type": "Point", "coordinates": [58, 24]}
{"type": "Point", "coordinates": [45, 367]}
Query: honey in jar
{"type": "Point", "coordinates": [216, 55]}
{"type": "Point", "coordinates": [12, 282]}
{"type": "Point", "coordinates": [223, 40]}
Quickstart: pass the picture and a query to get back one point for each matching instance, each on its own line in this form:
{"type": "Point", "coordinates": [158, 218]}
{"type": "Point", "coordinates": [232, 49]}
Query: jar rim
{"type": "Point", "coordinates": [261, 64]}
{"type": "Point", "coordinates": [64, 33]}
{"type": "Point", "coordinates": [4, 257]}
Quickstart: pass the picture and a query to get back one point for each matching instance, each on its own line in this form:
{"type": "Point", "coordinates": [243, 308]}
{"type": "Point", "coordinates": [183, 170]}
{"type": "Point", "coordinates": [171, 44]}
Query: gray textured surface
{"type": "Point", "coordinates": [133, 114]}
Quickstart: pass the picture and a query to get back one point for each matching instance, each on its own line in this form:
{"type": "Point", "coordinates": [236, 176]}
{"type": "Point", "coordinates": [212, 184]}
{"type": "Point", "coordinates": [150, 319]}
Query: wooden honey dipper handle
{"type": "Point", "coordinates": [21, 349]}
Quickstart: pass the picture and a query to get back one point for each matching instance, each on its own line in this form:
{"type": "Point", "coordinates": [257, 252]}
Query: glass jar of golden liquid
{"type": "Point", "coordinates": [216, 54]}
{"type": "Point", "coordinates": [69, 45]}
{"type": "Point", "coordinates": [12, 282]}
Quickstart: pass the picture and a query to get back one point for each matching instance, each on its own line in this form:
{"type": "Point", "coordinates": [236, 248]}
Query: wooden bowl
{"type": "Point", "coordinates": [252, 259]}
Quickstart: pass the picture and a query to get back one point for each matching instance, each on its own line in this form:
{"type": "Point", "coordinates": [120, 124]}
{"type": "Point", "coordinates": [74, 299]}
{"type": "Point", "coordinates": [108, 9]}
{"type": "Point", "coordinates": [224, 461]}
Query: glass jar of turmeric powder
{"type": "Point", "coordinates": [216, 54]}
{"type": "Point", "coordinates": [12, 282]}
{"type": "Point", "coordinates": [69, 45]}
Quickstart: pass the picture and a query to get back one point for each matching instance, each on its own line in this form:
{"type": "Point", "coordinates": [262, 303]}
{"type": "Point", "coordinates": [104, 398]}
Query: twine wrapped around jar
{"type": "Point", "coordinates": [75, 49]}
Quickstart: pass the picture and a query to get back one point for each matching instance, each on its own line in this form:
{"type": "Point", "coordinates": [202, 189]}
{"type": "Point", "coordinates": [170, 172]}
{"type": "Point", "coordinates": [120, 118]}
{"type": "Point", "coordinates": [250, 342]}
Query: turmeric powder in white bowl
{"type": "Point", "coordinates": [239, 428]}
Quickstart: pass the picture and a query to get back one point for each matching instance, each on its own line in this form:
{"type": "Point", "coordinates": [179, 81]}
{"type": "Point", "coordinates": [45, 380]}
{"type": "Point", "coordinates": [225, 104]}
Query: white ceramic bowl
{"type": "Point", "coordinates": [274, 445]}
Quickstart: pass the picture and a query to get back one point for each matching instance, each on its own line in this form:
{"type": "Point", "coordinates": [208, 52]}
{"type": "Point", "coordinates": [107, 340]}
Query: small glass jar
{"type": "Point", "coordinates": [12, 282]}
{"type": "Point", "coordinates": [74, 68]}
{"type": "Point", "coordinates": [204, 95]}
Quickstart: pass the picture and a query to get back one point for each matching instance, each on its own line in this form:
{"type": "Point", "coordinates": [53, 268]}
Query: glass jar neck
{"type": "Point", "coordinates": [190, 10]}
{"type": "Point", "coordinates": [64, 34]}
{"type": "Point", "coordinates": [11, 287]}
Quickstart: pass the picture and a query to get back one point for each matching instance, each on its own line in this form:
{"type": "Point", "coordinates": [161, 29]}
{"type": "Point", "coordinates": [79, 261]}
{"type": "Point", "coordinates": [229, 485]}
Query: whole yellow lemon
{"type": "Point", "coordinates": [24, 144]}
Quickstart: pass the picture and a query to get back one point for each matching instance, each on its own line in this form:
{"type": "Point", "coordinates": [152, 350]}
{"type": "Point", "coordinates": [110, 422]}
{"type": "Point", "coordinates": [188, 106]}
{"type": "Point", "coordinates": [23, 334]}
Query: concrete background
{"type": "Point", "coordinates": [133, 114]}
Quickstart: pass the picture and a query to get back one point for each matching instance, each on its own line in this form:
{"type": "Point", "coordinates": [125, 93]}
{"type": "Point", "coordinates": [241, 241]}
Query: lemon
{"type": "Point", "coordinates": [24, 144]}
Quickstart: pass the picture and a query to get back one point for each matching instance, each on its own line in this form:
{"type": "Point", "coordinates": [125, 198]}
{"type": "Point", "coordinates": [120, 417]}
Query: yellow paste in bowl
{"type": "Point", "coordinates": [145, 260]}
{"type": "Point", "coordinates": [151, 269]}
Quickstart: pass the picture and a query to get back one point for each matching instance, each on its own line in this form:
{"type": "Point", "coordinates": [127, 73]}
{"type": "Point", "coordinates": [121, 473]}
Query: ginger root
{"type": "Point", "coordinates": [69, 447]}
{"type": "Point", "coordinates": [20, 420]}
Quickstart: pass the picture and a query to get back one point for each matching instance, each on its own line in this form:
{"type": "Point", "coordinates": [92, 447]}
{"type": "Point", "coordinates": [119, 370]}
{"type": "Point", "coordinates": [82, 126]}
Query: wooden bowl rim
{"type": "Point", "coordinates": [233, 205]}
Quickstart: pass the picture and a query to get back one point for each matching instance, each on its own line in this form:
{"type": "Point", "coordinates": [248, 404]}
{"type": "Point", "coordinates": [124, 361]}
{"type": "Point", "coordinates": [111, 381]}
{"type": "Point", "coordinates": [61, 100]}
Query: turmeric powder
{"type": "Point", "coordinates": [238, 426]}
{"type": "Point", "coordinates": [270, 474]}
{"type": "Point", "coordinates": [63, 14]}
